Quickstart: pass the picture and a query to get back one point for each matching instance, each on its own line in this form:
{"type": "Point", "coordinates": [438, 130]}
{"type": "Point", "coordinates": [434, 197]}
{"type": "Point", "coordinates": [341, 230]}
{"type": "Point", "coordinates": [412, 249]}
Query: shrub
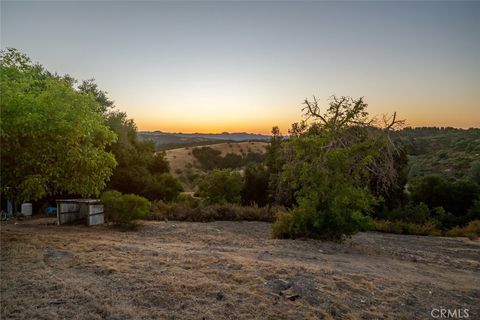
{"type": "Point", "coordinates": [123, 209]}
{"type": "Point", "coordinates": [338, 214]}
{"type": "Point", "coordinates": [281, 227]}
{"type": "Point", "coordinates": [471, 230]}
{"type": "Point", "coordinates": [185, 211]}
{"type": "Point", "coordinates": [417, 214]}
{"type": "Point", "coordinates": [221, 186]}
{"type": "Point", "coordinates": [402, 227]}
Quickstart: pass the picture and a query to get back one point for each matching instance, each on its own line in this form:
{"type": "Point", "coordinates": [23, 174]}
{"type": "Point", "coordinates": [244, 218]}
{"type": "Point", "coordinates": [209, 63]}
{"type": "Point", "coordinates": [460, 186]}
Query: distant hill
{"type": "Point", "coordinates": [166, 140]}
{"type": "Point", "coordinates": [448, 152]}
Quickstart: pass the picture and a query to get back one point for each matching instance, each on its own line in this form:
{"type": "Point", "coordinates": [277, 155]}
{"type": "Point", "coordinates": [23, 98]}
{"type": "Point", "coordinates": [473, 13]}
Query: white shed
{"type": "Point", "coordinates": [72, 210]}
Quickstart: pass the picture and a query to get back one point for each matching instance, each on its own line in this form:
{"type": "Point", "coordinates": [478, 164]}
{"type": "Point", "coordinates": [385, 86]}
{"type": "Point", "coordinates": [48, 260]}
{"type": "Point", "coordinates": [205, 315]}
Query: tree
{"type": "Point", "coordinates": [255, 188]}
{"type": "Point", "coordinates": [221, 186]}
{"type": "Point", "coordinates": [455, 197]}
{"type": "Point", "coordinates": [141, 170]}
{"type": "Point", "coordinates": [474, 173]}
{"type": "Point", "coordinates": [331, 163]}
{"type": "Point", "coordinates": [53, 138]}
{"type": "Point", "coordinates": [280, 190]}
{"type": "Point", "coordinates": [91, 88]}
{"type": "Point", "coordinates": [163, 187]}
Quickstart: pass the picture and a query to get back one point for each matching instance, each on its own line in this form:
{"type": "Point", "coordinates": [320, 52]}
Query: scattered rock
{"type": "Point", "coordinates": [290, 294]}
{"type": "Point", "coordinates": [277, 285]}
{"type": "Point", "coordinates": [220, 295]}
{"type": "Point", "coordinates": [295, 288]}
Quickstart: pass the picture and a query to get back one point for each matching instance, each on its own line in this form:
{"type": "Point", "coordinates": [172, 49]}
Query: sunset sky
{"type": "Point", "coordinates": [246, 66]}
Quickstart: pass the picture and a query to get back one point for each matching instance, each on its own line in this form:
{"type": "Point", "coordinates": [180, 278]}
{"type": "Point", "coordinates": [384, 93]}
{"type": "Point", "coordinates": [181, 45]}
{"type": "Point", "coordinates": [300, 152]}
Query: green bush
{"type": "Point", "coordinates": [221, 186]}
{"type": "Point", "coordinates": [417, 214]}
{"type": "Point", "coordinates": [340, 217]}
{"type": "Point", "coordinates": [123, 209]}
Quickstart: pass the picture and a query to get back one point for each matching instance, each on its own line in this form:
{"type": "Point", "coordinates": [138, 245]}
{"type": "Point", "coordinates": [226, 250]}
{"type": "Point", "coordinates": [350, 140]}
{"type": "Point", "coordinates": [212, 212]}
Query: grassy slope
{"type": "Point", "coordinates": [184, 164]}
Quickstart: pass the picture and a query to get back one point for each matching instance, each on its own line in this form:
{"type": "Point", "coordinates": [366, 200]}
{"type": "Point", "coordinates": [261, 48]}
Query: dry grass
{"type": "Point", "coordinates": [229, 270]}
{"type": "Point", "coordinates": [206, 213]}
{"type": "Point", "coordinates": [400, 227]}
{"type": "Point", "coordinates": [471, 230]}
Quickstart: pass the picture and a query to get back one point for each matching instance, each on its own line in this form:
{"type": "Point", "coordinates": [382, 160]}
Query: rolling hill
{"type": "Point", "coordinates": [166, 140]}
{"type": "Point", "coordinates": [185, 166]}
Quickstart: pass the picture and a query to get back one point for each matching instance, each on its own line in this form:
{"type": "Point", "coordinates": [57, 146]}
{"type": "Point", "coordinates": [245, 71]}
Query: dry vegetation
{"type": "Point", "coordinates": [182, 162]}
{"type": "Point", "coordinates": [229, 270]}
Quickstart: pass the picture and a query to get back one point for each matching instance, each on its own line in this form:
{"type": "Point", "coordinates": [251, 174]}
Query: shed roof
{"type": "Point", "coordinates": [88, 201]}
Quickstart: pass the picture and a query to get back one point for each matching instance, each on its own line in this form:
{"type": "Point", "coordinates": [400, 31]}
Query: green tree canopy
{"type": "Point", "coordinates": [330, 164]}
{"type": "Point", "coordinates": [221, 186]}
{"type": "Point", "coordinates": [53, 136]}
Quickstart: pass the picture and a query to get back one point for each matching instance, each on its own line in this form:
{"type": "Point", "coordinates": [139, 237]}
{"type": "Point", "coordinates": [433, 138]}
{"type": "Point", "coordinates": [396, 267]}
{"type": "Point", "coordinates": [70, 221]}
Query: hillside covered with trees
{"type": "Point", "coordinates": [449, 152]}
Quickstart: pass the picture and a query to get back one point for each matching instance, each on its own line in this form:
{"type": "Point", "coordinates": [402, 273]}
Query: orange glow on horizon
{"type": "Point", "coordinates": [264, 127]}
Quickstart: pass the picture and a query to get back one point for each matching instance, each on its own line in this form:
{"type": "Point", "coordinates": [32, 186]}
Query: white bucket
{"type": "Point", "coordinates": [26, 209]}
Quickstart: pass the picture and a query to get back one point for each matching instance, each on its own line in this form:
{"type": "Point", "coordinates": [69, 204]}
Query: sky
{"type": "Point", "coordinates": [247, 66]}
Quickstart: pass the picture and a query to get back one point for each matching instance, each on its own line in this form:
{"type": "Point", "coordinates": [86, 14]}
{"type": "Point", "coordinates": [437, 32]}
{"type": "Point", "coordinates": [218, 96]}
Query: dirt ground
{"type": "Point", "coordinates": [229, 270]}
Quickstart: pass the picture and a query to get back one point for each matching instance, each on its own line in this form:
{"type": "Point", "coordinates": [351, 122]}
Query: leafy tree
{"type": "Point", "coordinates": [280, 190]}
{"type": "Point", "coordinates": [210, 159]}
{"type": "Point", "coordinates": [432, 190]}
{"type": "Point", "coordinates": [91, 88]}
{"type": "Point", "coordinates": [141, 170]}
{"type": "Point", "coordinates": [231, 161]}
{"type": "Point", "coordinates": [53, 138]}
{"type": "Point", "coordinates": [456, 198]}
{"type": "Point", "coordinates": [255, 188]}
{"type": "Point", "coordinates": [331, 163]}
{"type": "Point", "coordinates": [221, 186]}
{"type": "Point", "coordinates": [474, 173]}
{"type": "Point", "coordinates": [163, 187]}
{"type": "Point", "coordinates": [159, 164]}
{"type": "Point", "coordinates": [207, 157]}
{"type": "Point", "coordinates": [418, 214]}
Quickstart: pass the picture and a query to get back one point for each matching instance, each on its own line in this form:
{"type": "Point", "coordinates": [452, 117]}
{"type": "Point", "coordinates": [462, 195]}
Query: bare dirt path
{"type": "Point", "coordinates": [229, 270]}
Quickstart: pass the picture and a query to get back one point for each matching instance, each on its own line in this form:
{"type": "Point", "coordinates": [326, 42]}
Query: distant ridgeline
{"type": "Point", "coordinates": [449, 152]}
{"type": "Point", "coordinates": [166, 141]}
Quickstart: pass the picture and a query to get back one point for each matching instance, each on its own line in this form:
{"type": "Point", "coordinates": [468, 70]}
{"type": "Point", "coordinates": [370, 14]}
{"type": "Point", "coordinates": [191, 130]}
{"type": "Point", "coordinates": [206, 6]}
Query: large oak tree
{"type": "Point", "coordinates": [53, 137]}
